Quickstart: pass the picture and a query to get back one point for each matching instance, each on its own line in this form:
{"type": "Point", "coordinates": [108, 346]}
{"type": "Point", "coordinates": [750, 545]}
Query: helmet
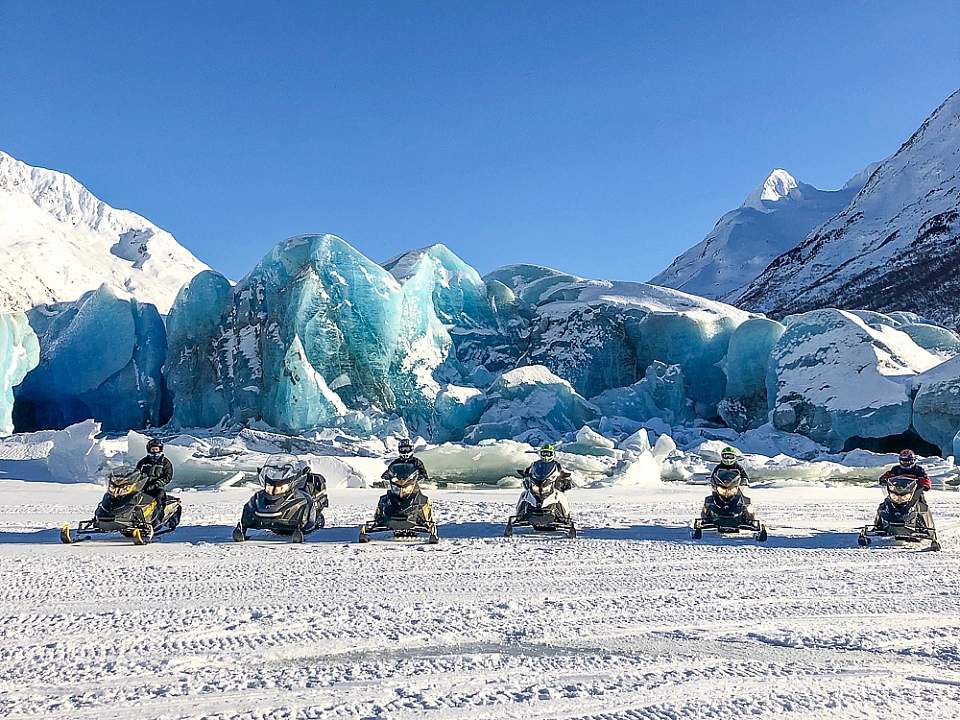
{"type": "Point", "coordinates": [154, 447]}
{"type": "Point", "coordinates": [907, 459]}
{"type": "Point", "coordinates": [548, 452]}
{"type": "Point", "coordinates": [728, 456]}
{"type": "Point", "coordinates": [405, 449]}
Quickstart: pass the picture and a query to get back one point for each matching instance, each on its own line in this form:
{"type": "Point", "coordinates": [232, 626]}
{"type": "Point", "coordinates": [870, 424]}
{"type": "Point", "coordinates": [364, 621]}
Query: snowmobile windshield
{"type": "Point", "coordinates": [404, 480]}
{"type": "Point", "coordinates": [541, 471]}
{"type": "Point", "coordinates": [280, 473]}
{"type": "Point", "coordinates": [726, 479]}
{"type": "Point", "coordinates": [901, 489]}
{"type": "Point", "coordinates": [123, 482]}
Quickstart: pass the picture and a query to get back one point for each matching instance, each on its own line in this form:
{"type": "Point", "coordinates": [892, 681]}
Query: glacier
{"type": "Point", "coordinates": [660, 393]}
{"type": "Point", "coordinates": [314, 329]}
{"type": "Point", "coordinates": [100, 358]}
{"type": "Point", "coordinates": [532, 405]}
{"type": "Point", "coordinates": [835, 379]}
{"type": "Point", "coordinates": [19, 354]}
{"type": "Point", "coordinates": [745, 404]}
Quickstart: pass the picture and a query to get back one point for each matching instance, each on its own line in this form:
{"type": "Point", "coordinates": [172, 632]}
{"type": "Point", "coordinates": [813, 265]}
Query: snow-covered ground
{"type": "Point", "coordinates": [631, 620]}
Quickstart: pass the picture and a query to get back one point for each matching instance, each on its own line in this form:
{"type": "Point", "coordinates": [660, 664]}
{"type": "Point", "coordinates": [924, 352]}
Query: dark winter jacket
{"type": "Point", "coordinates": [916, 471]}
{"type": "Point", "coordinates": [744, 478]}
{"type": "Point", "coordinates": [564, 484]}
{"type": "Point", "coordinates": [161, 477]}
{"type": "Point", "coordinates": [417, 462]}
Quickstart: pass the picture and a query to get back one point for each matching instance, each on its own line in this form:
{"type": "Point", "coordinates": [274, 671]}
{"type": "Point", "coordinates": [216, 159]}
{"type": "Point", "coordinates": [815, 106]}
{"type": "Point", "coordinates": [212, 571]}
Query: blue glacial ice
{"type": "Point", "coordinates": [601, 335]}
{"type": "Point", "coordinates": [835, 378]}
{"type": "Point", "coordinates": [531, 404]}
{"type": "Point", "coordinates": [100, 357]}
{"type": "Point", "coordinates": [745, 405]}
{"type": "Point", "coordinates": [660, 393]}
{"type": "Point", "coordinates": [936, 406]}
{"type": "Point", "coordinates": [19, 354]}
{"type": "Point", "coordinates": [314, 329]}
{"type": "Point", "coordinates": [480, 318]}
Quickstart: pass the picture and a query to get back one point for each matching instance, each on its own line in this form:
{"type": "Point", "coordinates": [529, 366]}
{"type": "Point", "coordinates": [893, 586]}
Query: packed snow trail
{"type": "Point", "coordinates": [631, 620]}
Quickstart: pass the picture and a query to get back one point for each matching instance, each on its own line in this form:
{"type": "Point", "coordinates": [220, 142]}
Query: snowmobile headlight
{"type": "Point", "coordinates": [274, 489]}
{"type": "Point", "coordinates": [727, 492]}
{"type": "Point", "coordinates": [407, 489]}
{"type": "Point", "coordinates": [121, 490]}
{"type": "Point", "coordinates": [899, 499]}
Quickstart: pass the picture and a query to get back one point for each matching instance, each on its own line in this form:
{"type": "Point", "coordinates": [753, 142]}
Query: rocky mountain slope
{"type": "Point", "coordinates": [895, 246]}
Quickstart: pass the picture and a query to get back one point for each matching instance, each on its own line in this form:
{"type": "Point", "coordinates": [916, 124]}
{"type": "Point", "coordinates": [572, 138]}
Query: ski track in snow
{"type": "Point", "coordinates": [631, 620]}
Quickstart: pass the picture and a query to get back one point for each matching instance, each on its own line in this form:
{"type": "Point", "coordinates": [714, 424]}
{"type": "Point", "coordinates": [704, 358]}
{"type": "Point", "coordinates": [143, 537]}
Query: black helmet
{"type": "Point", "coordinates": [405, 449]}
{"type": "Point", "coordinates": [154, 446]}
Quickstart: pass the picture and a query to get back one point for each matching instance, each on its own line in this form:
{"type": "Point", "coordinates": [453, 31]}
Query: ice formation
{"type": "Point", "coordinates": [19, 354]}
{"type": "Point", "coordinates": [100, 358]}
{"type": "Point", "coordinates": [533, 405]}
{"type": "Point", "coordinates": [745, 404]}
{"type": "Point", "coordinates": [936, 407]}
{"type": "Point", "coordinates": [660, 393]}
{"type": "Point", "coordinates": [834, 378]}
{"type": "Point", "coordinates": [601, 335]}
{"type": "Point", "coordinates": [314, 329]}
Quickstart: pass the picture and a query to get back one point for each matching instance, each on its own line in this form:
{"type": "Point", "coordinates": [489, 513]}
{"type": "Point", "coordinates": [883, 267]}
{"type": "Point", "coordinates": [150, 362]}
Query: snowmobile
{"type": "Point", "coordinates": [903, 515]}
{"type": "Point", "coordinates": [542, 505]}
{"type": "Point", "coordinates": [290, 502]}
{"type": "Point", "coordinates": [128, 509]}
{"type": "Point", "coordinates": [727, 510]}
{"type": "Point", "coordinates": [403, 510]}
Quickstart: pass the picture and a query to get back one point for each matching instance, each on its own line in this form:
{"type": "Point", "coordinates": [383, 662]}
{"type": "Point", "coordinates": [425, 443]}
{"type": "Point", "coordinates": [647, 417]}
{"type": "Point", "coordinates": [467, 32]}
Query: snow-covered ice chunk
{"type": "Point", "coordinates": [745, 402]}
{"type": "Point", "coordinates": [533, 405]}
{"type": "Point", "coordinates": [76, 456]}
{"type": "Point", "coordinates": [833, 377]}
{"type": "Point", "coordinates": [590, 442]}
{"type": "Point", "coordinates": [936, 407]}
{"type": "Point", "coordinates": [19, 354]}
{"type": "Point", "coordinates": [101, 358]}
{"type": "Point", "coordinates": [602, 335]}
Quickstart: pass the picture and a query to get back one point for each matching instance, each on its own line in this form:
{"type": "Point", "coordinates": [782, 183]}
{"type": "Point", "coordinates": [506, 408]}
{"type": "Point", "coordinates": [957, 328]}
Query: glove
{"type": "Point", "coordinates": [924, 483]}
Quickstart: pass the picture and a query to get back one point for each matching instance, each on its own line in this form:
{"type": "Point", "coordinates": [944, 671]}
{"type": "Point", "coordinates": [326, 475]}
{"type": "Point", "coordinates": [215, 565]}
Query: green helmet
{"type": "Point", "coordinates": [548, 451]}
{"type": "Point", "coordinates": [728, 456]}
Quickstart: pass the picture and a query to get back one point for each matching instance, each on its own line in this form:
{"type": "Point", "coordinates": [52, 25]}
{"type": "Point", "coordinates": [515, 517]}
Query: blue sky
{"type": "Point", "coordinates": [602, 138]}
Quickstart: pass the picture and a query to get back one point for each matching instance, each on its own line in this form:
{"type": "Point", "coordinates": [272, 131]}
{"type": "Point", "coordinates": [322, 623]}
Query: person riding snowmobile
{"type": "Point", "coordinates": [726, 509]}
{"type": "Point", "coordinates": [158, 468]}
{"type": "Point", "coordinates": [389, 501]}
{"type": "Point", "coordinates": [904, 514]}
{"type": "Point", "coordinates": [548, 455]}
{"type": "Point", "coordinates": [728, 461]}
{"type": "Point", "coordinates": [547, 461]}
{"type": "Point", "coordinates": [908, 467]}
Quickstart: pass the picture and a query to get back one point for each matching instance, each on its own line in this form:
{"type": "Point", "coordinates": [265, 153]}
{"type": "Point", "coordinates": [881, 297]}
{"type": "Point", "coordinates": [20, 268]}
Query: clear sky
{"type": "Point", "coordinates": [602, 138]}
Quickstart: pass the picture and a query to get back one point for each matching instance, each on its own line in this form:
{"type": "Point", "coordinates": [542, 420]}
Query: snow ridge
{"type": "Point", "coordinates": [58, 240]}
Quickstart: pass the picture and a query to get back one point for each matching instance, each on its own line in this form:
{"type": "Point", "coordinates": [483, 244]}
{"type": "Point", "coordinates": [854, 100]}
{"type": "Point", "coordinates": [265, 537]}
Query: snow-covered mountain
{"type": "Point", "coordinates": [895, 246]}
{"type": "Point", "coordinates": [57, 241]}
{"type": "Point", "coordinates": [776, 216]}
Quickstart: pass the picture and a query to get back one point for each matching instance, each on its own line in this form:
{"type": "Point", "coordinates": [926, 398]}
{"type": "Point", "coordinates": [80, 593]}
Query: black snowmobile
{"type": "Point", "coordinates": [404, 510]}
{"type": "Point", "coordinates": [903, 516]}
{"type": "Point", "coordinates": [543, 505]}
{"type": "Point", "coordinates": [128, 509]}
{"type": "Point", "coordinates": [290, 503]}
{"type": "Point", "coordinates": [727, 510]}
